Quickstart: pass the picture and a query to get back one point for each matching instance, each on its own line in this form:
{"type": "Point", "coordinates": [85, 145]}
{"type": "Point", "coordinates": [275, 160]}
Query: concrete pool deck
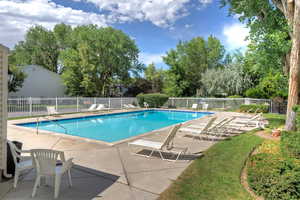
{"type": "Point", "coordinates": [106, 172]}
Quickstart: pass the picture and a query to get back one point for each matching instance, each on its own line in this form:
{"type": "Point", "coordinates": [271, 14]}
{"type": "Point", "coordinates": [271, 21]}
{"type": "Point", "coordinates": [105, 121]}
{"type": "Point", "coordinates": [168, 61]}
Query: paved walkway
{"type": "Point", "coordinates": [107, 172]}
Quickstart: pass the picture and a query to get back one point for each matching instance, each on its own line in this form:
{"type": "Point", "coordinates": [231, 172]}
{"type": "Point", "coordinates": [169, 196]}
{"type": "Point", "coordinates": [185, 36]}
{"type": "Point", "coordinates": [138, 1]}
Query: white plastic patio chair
{"type": "Point", "coordinates": [160, 147]}
{"type": "Point", "coordinates": [46, 161]}
{"type": "Point", "coordinates": [92, 107]}
{"type": "Point", "coordinates": [194, 106]}
{"type": "Point", "coordinates": [146, 105]}
{"type": "Point", "coordinates": [51, 110]}
{"type": "Point", "coordinates": [21, 162]}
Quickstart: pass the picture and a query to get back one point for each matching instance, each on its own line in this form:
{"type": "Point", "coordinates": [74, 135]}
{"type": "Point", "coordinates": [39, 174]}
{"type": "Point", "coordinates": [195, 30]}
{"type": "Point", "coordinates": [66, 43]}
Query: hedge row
{"type": "Point", "coordinates": [254, 108]}
{"type": "Point", "coordinates": [154, 100]}
{"type": "Point", "coordinates": [277, 175]}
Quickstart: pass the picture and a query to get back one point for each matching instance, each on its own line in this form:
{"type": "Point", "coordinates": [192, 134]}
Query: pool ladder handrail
{"type": "Point", "coordinates": [55, 122]}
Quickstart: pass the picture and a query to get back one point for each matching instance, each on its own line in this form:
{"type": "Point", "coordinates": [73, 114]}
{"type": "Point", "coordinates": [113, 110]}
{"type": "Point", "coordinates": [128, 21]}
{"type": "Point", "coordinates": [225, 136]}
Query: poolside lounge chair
{"type": "Point", "coordinates": [249, 121]}
{"type": "Point", "coordinates": [196, 133]}
{"type": "Point", "coordinates": [129, 106]}
{"type": "Point", "coordinates": [205, 106]}
{"type": "Point", "coordinates": [51, 110]}
{"type": "Point", "coordinates": [132, 106]}
{"type": "Point", "coordinates": [217, 131]}
{"type": "Point", "coordinates": [101, 107]}
{"type": "Point", "coordinates": [160, 147]}
{"type": "Point", "coordinates": [22, 163]}
{"type": "Point", "coordinates": [92, 107]}
{"type": "Point", "coordinates": [194, 106]}
{"type": "Point", "coordinates": [46, 161]}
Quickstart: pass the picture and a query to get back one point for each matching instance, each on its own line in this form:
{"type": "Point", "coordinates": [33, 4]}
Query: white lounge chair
{"type": "Point", "coordinates": [46, 161]}
{"type": "Point", "coordinates": [160, 147]}
{"type": "Point", "coordinates": [22, 163]}
{"type": "Point", "coordinates": [194, 106]}
{"type": "Point", "coordinates": [51, 110]}
{"type": "Point", "coordinates": [205, 106]}
{"type": "Point", "coordinates": [249, 121]}
{"type": "Point", "coordinates": [101, 107]}
{"type": "Point", "coordinates": [132, 106]}
{"type": "Point", "coordinates": [197, 132]}
{"type": "Point", "coordinates": [216, 125]}
{"type": "Point", "coordinates": [92, 107]}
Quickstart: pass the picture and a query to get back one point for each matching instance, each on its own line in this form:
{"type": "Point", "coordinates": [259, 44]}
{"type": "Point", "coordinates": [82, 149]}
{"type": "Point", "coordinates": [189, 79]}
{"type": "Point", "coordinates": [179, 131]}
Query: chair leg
{"type": "Point", "coordinates": [16, 178]}
{"type": "Point", "coordinates": [151, 153]}
{"type": "Point", "coordinates": [36, 184]}
{"type": "Point", "coordinates": [161, 155]}
{"type": "Point", "coordinates": [70, 178]}
{"type": "Point", "coordinates": [57, 186]}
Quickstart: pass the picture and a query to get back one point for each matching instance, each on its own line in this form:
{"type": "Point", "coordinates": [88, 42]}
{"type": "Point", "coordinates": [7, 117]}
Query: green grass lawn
{"type": "Point", "coordinates": [275, 120]}
{"type": "Point", "coordinates": [217, 174]}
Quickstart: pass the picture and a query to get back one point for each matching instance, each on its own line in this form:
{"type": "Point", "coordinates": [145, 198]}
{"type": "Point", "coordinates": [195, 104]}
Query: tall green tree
{"type": "Point", "coordinates": [16, 75]}
{"type": "Point", "coordinates": [96, 58]}
{"type": "Point", "coordinates": [263, 12]}
{"type": "Point", "coordinates": [155, 77]}
{"type": "Point", "coordinates": [39, 48]}
{"type": "Point", "coordinates": [188, 62]}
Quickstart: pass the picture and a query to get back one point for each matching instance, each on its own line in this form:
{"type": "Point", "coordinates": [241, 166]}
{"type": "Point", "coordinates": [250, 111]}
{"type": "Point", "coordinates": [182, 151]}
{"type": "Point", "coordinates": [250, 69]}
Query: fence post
{"type": "Point", "coordinates": [109, 102]}
{"type": "Point", "coordinates": [95, 100]}
{"type": "Point", "coordinates": [77, 106]}
{"type": "Point", "coordinates": [56, 104]}
{"type": "Point", "coordinates": [30, 106]}
{"type": "Point", "coordinates": [121, 103]}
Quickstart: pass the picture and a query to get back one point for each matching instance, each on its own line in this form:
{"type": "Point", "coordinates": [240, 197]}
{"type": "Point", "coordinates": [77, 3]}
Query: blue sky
{"type": "Point", "coordinates": [155, 25]}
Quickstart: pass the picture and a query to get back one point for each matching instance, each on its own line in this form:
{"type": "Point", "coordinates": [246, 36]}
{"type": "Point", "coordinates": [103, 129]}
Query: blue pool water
{"type": "Point", "coordinates": [115, 127]}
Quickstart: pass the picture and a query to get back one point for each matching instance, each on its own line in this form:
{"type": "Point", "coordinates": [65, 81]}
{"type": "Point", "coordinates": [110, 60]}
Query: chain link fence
{"type": "Point", "coordinates": [20, 107]}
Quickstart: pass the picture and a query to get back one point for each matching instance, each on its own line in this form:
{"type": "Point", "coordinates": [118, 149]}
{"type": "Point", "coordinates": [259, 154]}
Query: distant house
{"type": "Point", "coordinates": [40, 82]}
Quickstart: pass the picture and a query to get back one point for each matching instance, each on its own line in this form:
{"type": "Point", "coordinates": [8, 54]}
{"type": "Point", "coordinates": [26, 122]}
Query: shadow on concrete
{"type": "Point", "coordinates": [87, 184]}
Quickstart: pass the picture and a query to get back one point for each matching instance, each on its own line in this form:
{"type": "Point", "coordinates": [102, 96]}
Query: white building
{"type": "Point", "coordinates": [40, 82]}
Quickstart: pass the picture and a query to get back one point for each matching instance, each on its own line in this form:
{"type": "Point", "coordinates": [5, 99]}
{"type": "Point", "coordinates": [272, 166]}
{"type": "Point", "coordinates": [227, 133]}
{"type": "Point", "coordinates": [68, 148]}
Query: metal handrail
{"type": "Point", "coordinates": [55, 122]}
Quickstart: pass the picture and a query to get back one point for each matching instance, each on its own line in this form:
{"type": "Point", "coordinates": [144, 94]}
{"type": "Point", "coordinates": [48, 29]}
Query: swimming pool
{"type": "Point", "coordinates": [119, 126]}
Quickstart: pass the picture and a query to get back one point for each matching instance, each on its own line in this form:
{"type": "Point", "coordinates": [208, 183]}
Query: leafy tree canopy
{"type": "Point", "coordinates": [96, 57]}
{"type": "Point", "coordinates": [188, 62]}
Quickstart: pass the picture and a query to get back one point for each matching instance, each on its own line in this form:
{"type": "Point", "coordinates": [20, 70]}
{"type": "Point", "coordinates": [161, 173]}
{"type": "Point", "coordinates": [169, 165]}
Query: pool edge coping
{"type": "Point", "coordinates": [64, 135]}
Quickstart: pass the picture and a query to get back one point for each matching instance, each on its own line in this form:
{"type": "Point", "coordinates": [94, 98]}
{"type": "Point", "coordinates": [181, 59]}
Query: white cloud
{"type": "Point", "coordinates": [162, 13]}
{"type": "Point", "coordinates": [205, 1]}
{"type": "Point", "coordinates": [148, 58]}
{"type": "Point", "coordinates": [17, 16]}
{"type": "Point", "coordinates": [236, 36]}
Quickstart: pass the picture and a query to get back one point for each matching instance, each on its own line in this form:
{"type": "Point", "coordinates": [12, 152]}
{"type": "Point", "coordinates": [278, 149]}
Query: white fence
{"type": "Point", "coordinates": [18, 107]}
{"type": "Point", "coordinates": [30, 106]}
{"type": "Point", "coordinates": [215, 103]}
{"type": "Point", "coordinates": [37, 106]}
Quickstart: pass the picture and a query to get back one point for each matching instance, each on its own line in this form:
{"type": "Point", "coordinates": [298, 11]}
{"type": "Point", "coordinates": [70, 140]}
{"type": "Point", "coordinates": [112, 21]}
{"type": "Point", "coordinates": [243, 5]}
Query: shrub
{"type": "Point", "coordinates": [254, 93]}
{"type": "Point", "coordinates": [273, 177]}
{"type": "Point", "coordinates": [290, 144]}
{"type": "Point", "coordinates": [154, 100]}
{"type": "Point", "coordinates": [235, 96]}
{"type": "Point", "coordinates": [253, 107]}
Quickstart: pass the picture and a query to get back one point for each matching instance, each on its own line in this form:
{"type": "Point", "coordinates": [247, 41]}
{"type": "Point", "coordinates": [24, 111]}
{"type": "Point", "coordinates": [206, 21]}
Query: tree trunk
{"type": "Point", "coordinates": [290, 123]}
